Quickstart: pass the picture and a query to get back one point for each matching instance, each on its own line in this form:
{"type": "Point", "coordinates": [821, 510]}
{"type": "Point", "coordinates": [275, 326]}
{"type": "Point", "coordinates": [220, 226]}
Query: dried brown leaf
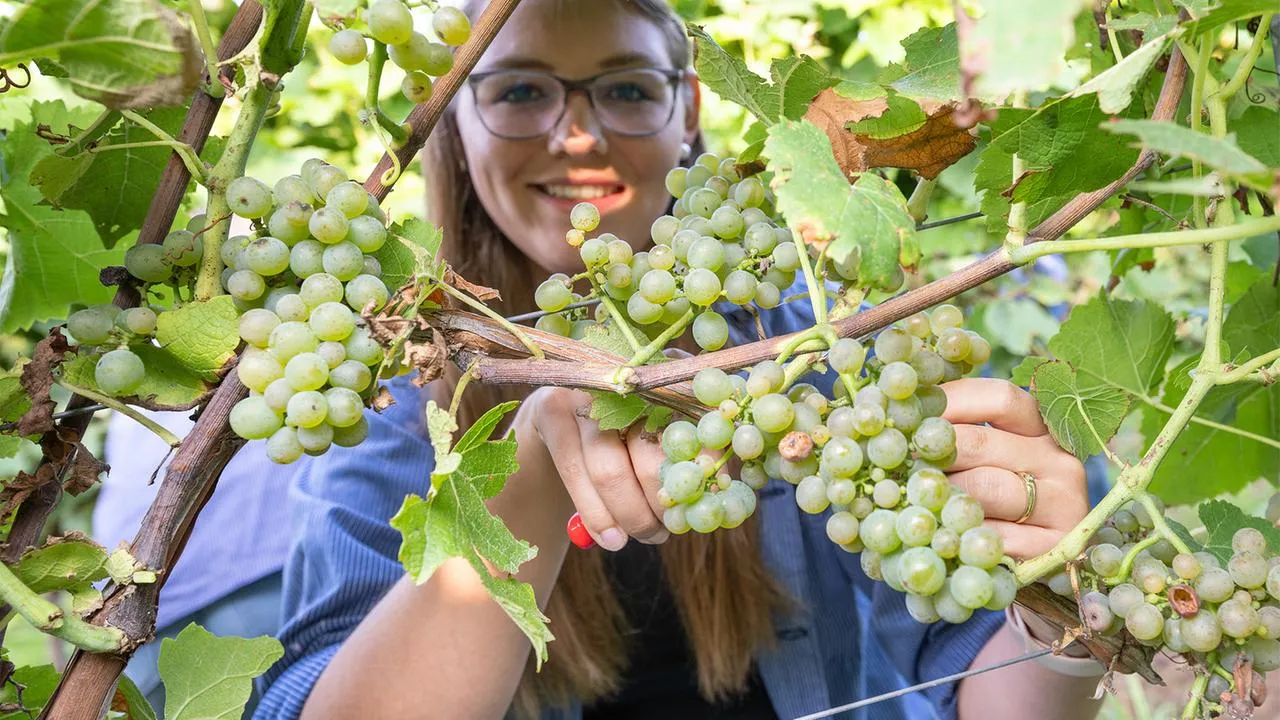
{"type": "Point", "coordinates": [20, 487]}
{"type": "Point", "coordinates": [479, 292]}
{"type": "Point", "coordinates": [37, 379]}
{"type": "Point", "coordinates": [428, 358]}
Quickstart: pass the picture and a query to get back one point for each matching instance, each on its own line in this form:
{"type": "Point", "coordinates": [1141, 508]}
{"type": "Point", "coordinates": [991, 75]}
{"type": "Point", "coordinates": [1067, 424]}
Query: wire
{"type": "Point", "coordinates": [540, 313]}
{"type": "Point", "coordinates": [926, 685]}
{"type": "Point", "coordinates": [60, 415]}
{"type": "Point", "coordinates": [948, 221]}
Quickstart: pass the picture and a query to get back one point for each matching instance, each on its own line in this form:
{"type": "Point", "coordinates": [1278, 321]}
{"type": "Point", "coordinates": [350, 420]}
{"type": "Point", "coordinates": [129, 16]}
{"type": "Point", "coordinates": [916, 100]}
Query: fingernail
{"type": "Point", "coordinates": [577, 532]}
{"type": "Point", "coordinates": [613, 539]}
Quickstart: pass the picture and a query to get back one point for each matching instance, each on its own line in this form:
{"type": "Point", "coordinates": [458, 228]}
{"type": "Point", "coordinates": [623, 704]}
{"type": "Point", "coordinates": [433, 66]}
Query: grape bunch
{"type": "Point", "coordinates": [723, 243]}
{"type": "Point", "coordinates": [118, 371]}
{"type": "Point", "coordinates": [873, 455]}
{"type": "Point", "coordinates": [391, 24]}
{"type": "Point", "coordinates": [1191, 604]}
{"type": "Point", "coordinates": [301, 286]}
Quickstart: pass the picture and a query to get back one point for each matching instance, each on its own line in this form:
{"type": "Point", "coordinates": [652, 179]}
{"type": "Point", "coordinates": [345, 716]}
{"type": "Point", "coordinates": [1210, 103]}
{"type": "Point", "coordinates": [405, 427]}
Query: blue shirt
{"type": "Point", "coordinates": [851, 638]}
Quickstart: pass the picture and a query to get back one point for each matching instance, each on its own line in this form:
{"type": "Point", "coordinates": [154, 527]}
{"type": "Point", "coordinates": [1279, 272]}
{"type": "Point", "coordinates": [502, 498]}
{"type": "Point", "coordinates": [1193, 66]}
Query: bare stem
{"type": "Point", "coordinates": [190, 158]}
{"type": "Point", "coordinates": [918, 203]}
{"type": "Point", "coordinates": [1162, 527]}
{"type": "Point", "coordinates": [1172, 238]}
{"type": "Point", "coordinates": [196, 8]}
{"type": "Point", "coordinates": [49, 618]}
{"type": "Point", "coordinates": [480, 307]}
{"type": "Point", "coordinates": [1243, 371]}
{"type": "Point", "coordinates": [1247, 61]}
{"type": "Point", "coordinates": [161, 431]}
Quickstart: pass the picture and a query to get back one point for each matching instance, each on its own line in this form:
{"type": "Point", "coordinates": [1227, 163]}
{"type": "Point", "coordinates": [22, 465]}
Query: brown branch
{"type": "Point", "coordinates": [423, 118]}
{"type": "Point", "coordinates": [1112, 651]}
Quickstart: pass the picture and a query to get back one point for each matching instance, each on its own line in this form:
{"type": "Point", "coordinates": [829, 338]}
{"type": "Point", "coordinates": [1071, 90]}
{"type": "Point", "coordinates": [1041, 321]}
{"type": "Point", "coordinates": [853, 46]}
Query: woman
{"type": "Point", "coordinates": [767, 620]}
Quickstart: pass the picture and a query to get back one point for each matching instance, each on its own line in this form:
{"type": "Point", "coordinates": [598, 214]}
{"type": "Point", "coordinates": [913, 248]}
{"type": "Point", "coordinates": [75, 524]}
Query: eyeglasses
{"type": "Point", "coordinates": [523, 104]}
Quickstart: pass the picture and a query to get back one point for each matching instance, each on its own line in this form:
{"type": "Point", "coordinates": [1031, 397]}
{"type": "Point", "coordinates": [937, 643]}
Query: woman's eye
{"type": "Point", "coordinates": [628, 92]}
{"type": "Point", "coordinates": [520, 93]}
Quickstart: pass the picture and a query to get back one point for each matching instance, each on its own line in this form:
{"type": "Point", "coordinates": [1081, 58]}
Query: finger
{"type": "Point", "coordinates": [1002, 493]}
{"type": "Point", "coordinates": [1024, 541]}
{"type": "Point", "coordinates": [646, 460]}
{"type": "Point", "coordinates": [977, 446]}
{"type": "Point", "coordinates": [608, 463]}
{"type": "Point", "coordinates": [557, 425]}
{"type": "Point", "coordinates": [999, 403]}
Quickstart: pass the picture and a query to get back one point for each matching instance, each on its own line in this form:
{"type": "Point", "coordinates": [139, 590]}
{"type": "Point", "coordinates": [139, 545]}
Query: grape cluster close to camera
{"type": "Point", "coordinates": [390, 24]}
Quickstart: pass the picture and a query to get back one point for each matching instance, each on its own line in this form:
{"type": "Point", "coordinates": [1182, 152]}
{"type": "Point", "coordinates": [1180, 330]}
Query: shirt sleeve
{"type": "Point", "coordinates": [344, 555]}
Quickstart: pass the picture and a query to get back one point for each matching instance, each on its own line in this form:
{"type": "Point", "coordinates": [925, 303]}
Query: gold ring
{"type": "Point", "coordinates": [1029, 482]}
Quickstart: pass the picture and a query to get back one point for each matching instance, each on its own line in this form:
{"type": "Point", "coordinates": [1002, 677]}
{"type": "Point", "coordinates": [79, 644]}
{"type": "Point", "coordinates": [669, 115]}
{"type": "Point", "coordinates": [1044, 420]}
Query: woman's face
{"type": "Point", "coordinates": [529, 186]}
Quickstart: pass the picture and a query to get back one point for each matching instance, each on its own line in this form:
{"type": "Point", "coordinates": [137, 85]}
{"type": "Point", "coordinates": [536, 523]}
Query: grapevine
{"type": "Point", "coordinates": [285, 333]}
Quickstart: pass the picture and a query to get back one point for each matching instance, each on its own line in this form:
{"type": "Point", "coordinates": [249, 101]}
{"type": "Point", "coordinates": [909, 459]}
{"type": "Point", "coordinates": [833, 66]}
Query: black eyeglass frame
{"type": "Point", "coordinates": [673, 76]}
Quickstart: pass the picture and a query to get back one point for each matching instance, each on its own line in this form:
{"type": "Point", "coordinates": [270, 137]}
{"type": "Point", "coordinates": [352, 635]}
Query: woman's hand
{"type": "Point", "coordinates": [610, 477]}
{"type": "Point", "coordinates": [988, 460]}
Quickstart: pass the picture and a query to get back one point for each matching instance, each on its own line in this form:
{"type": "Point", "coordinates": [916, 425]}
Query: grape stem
{"type": "Point", "coordinates": [817, 292]}
{"type": "Point", "coordinates": [1247, 61]}
{"type": "Point", "coordinates": [918, 203]}
{"type": "Point", "coordinates": [1204, 236]}
{"type": "Point", "coordinates": [49, 618]}
{"type": "Point", "coordinates": [100, 126]}
{"type": "Point", "coordinates": [1246, 372]}
{"type": "Point", "coordinates": [653, 348]}
{"type": "Point", "coordinates": [1197, 420]}
{"type": "Point", "coordinates": [1162, 527]}
{"type": "Point", "coordinates": [190, 158]}
{"type": "Point", "coordinates": [214, 88]}
{"type": "Point", "coordinates": [1192, 709]}
{"type": "Point", "coordinates": [1016, 236]}
{"type": "Point", "coordinates": [162, 432]}
{"type": "Point", "coordinates": [480, 307]}
{"type": "Point", "coordinates": [618, 319]}
{"type": "Point", "coordinates": [377, 61]}
{"type": "Point", "coordinates": [1126, 565]}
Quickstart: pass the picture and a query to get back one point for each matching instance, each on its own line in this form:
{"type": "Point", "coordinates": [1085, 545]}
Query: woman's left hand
{"type": "Point", "coordinates": [1013, 440]}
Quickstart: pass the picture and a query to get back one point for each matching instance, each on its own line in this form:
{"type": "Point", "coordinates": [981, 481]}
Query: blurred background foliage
{"type": "Point", "coordinates": [318, 116]}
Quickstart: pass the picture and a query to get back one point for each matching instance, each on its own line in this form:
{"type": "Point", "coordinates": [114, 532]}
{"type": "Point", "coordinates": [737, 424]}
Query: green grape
{"type": "Point", "coordinates": [362, 347]}
{"type": "Point", "coordinates": [1237, 619]}
{"type": "Point", "coordinates": [701, 201]}
{"type": "Point", "coordinates": [806, 418]}
{"type": "Point", "coordinates": [886, 493]}
{"type": "Point", "coordinates": [935, 438]}
{"type": "Point", "coordinates": [846, 356]}
{"type": "Point", "coordinates": [291, 308]}
{"type": "Point", "coordinates": [246, 285]}
{"type": "Point", "coordinates": [259, 369]}
{"type": "Point", "coordinates": [928, 488]}
{"type": "Point", "coordinates": [555, 324]}
{"type": "Point", "coordinates": [921, 571]}
{"type": "Point", "coordinates": [319, 289]}
{"type": "Point", "coordinates": [332, 321]}
{"type": "Point", "coordinates": [1214, 585]}
{"type": "Point", "coordinates": [1200, 631]}
{"type": "Point", "coordinates": [307, 409]}
{"type": "Point", "coordinates": [877, 531]}
{"type": "Point", "coordinates": [345, 407]}
{"type": "Point", "coordinates": [933, 401]}
{"type": "Point", "coordinates": [739, 503]}
{"type": "Point", "coordinates": [893, 345]}
{"type": "Point", "coordinates": [147, 263]}
{"type": "Point", "coordinates": [306, 258]}
{"type": "Point", "coordinates": [698, 175]}
{"type": "Point", "coordinates": [334, 353]}
{"type": "Point", "coordinates": [436, 60]}
{"type": "Point", "coordinates": [972, 587]}
{"type": "Point", "coordinates": [252, 419]}
{"type": "Point", "coordinates": [706, 253]}
{"type": "Point", "coordinates": [714, 431]}
{"type": "Point", "coordinates": [366, 233]}
{"type": "Point", "coordinates": [1248, 569]}
{"type": "Point", "coordinates": [182, 248]}
{"type": "Point", "coordinates": [981, 547]}
{"type": "Point", "coordinates": [1269, 619]}
{"type": "Point", "coordinates": [841, 457]}
{"type": "Point", "coordinates": [748, 442]}
{"type": "Point", "coordinates": [594, 253]}
{"type": "Point", "coordinates": [1106, 559]}
{"type": "Point", "coordinates": [676, 182]}
{"type": "Point", "coordinates": [702, 287]}
{"type": "Point", "coordinates": [1273, 582]}
{"type": "Point", "coordinates": [710, 330]}
{"type": "Point", "coordinates": [89, 327]}
{"type": "Point", "coordinates": [712, 386]}
{"type": "Point", "coordinates": [906, 415]}
{"type": "Point", "coordinates": [585, 217]}
{"type": "Point", "coordinates": [389, 21]}
{"type": "Point", "coordinates": [962, 513]}
{"type": "Point", "coordinates": [726, 223]}
{"type": "Point", "coordinates": [706, 514]}
{"type": "Point", "coordinates": [1004, 588]}
{"type": "Point", "coordinates": [365, 289]}
{"type": "Point", "coordinates": [871, 395]}
{"type": "Point", "coordinates": [898, 380]}
{"type": "Point", "coordinates": [552, 295]}
{"type": "Point", "coordinates": [248, 197]}
{"type": "Point", "coordinates": [740, 287]}
{"type": "Point", "coordinates": [352, 435]}
{"type": "Point", "coordinates": [1095, 609]}
{"type": "Point", "coordinates": [348, 47]}
{"type": "Point", "coordinates": [411, 55]}
{"type": "Point", "coordinates": [760, 238]}
{"type": "Point", "coordinates": [868, 419]}
{"type": "Point", "coordinates": [329, 225]}
{"type": "Point", "coordinates": [139, 321]}
{"type": "Point", "coordinates": [915, 525]}
{"type": "Point", "coordinates": [842, 528]}
{"type": "Point", "coordinates": [979, 349]}
{"type": "Point", "coordinates": [773, 413]}
{"type": "Point", "coordinates": [680, 441]}
{"type": "Point", "coordinates": [944, 317]}
{"type": "Point", "coordinates": [888, 449]}
{"type": "Point", "coordinates": [292, 189]}
{"type": "Point", "coordinates": [749, 193]}
{"type": "Point", "coordinates": [267, 256]}
{"type": "Point", "coordinates": [811, 495]}
{"type": "Point", "coordinates": [281, 225]}
{"type": "Point", "coordinates": [618, 278]}
{"type": "Point", "coordinates": [849, 266]}
{"type": "Point", "coordinates": [119, 372]}
{"type": "Point", "coordinates": [683, 481]}
{"type": "Point", "coordinates": [786, 257]}
{"type": "Point", "coordinates": [351, 374]}
{"type": "Point", "coordinates": [871, 562]}
{"type": "Point", "coordinates": [659, 257]}
{"type": "Point", "coordinates": [663, 230]}
{"type": "Point", "coordinates": [416, 87]}
{"type": "Point", "coordinates": [283, 446]}
{"type": "Point", "coordinates": [657, 286]}
{"type": "Point", "coordinates": [1265, 653]}
{"type": "Point", "coordinates": [451, 25]}
{"type": "Point", "coordinates": [315, 440]}
{"type": "Point", "coordinates": [954, 344]}
{"type": "Point", "coordinates": [929, 366]}
{"type": "Point", "coordinates": [1248, 539]}
{"type": "Point", "coordinates": [643, 311]}
{"type": "Point", "coordinates": [921, 609]}
{"type": "Point", "coordinates": [277, 394]}
{"type": "Point", "coordinates": [325, 179]}
{"type": "Point", "coordinates": [1187, 566]}
{"type": "Point", "coordinates": [1144, 622]}
{"type": "Point", "coordinates": [344, 261]}
{"type": "Point", "coordinates": [306, 371]}
{"type": "Point", "coordinates": [765, 377]}
{"type": "Point", "coordinates": [946, 542]}
{"type": "Point", "coordinates": [347, 197]}
{"type": "Point", "coordinates": [840, 422]}
{"type": "Point", "coordinates": [290, 338]}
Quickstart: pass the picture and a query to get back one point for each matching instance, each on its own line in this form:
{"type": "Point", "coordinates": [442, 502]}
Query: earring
{"type": "Point", "coordinates": [685, 151]}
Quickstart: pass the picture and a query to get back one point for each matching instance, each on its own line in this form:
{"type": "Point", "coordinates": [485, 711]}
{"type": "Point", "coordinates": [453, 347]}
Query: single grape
{"type": "Point", "coordinates": [878, 531]}
{"type": "Point", "coordinates": [906, 415]}
{"type": "Point", "coordinates": [962, 513]}
{"type": "Point", "coordinates": [119, 372]}
{"type": "Point", "coordinates": [257, 370]}
{"type": "Point", "coordinates": [954, 344]}
{"type": "Point", "coordinates": [1004, 588]}
{"type": "Point", "coordinates": [291, 308]}
{"type": "Point", "coordinates": [352, 435]}
{"type": "Point", "coordinates": [1106, 559]}
{"type": "Point", "coordinates": [1238, 619]}
{"type": "Point", "coordinates": [748, 442]}
{"type": "Point", "coordinates": [1265, 653]}
{"type": "Point", "coordinates": [451, 25]}
{"type": "Point", "coordinates": [246, 285]}
{"type": "Point", "coordinates": [712, 386]}
{"type": "Point", "coordinates": [366, 290]}
{"type": "Point", "coordinates": [329, 225]}
{"type": "Point", "coordinates": [1144, 622]}
{"type": "Point", "coordinates": [714, 431]}
{"type": "Point", "coordinates": [928, 488]}
{"type": "Point", "coordinates": [283, 446]}
{"type": "Point", "coordinates": [1123, 598]}
{"type": "Point", "coordinates": [267, 256]}
{"type": "Point", "coordinates": [290, 338]}
{"type": "Point", "coordinates": [710, 330]}
{"type": "Point", "coordinates": [842, 528]}
{"type": "Point", "coordinates": [898, 380]}
{"type": "Point", "coordinates": [886, 493]}
{"type": "Point", "coordinates": [935, 438]}
{"type": "Point", "coordinates": [842, 491]}
{"type": "Point", "coordinates": [139, 321]}
{"type": "Point", "coordinates": [706, 253]}
{"type": "Point", "coordinates": [315, 440]}
{"type": "Point", "coordinates": [915, 525]}
{"type": "Point", "coordinates": [1201, 631]}
{"type": "Point", "coordinates": [553, 295]}
{"type": "Point", "coordinates": [344, 261]}
{"type": "Point", "coordinates": [334, 353]}
{"type": "Point", "coordinates": [416, 87]}
{"type": "Point", "coordinates": [1248, 539]}
{"type": "Point", "coordinates": [351, 374]}
{"type": "Point", "coordinates": [981, 546]}
{"type": "Point", "coordinates": [726, 223]}
{"type": "Point", "coordinates": [148, 263]}
{"type": "Point", "coordinates": [868, 419]}
{"type": "Point", "coordinates": [306, 258]}
{"type": "Point", "coordinates": [319, 289]}
{"type": "Point", "coordinates": [846, 356]}
{"type": "Point", "coordinates": [1096, 611]}
{"type": "Point", "coordinates": [740, 287]}
{"type": "Point", "coordinates": [306, 371]}
{"type": "Point", "coordinates": [706, 514]}
{"type": "Point", "coordinates": [585, 217]}
{"type": "Point", "coordinates": [841, 457]}
{"type": "Point", "coordinates": [1214, 585]}
{"type": "Point", "coordinates": [248, 197]}
{"type": "Point", "coordinates": [345, 407]}
{"type": "Point", "coordinates": [972, 587]}
{"type": "Point", "coordinates": [811, 495]}
{"type": "Point", "coordinates": [887, 450]}
{"type": "Point", "coordinates": [1248, 569]}
{"type": "Point", "coordinates": [773, 413]}
{"type": "Point", "coordinates": [680, 441]}
{"type": "Point", "coordinates": [252, 419]}
{"type": "Point", "coordinates": [362, 347]}
{"type": "Point", "coordinates": [348, 47]}
{"type": "Point", "coordinates": [389, 21]}
{"type": "Point", "coordinates": [768, 295]}
{"type": "Point", "coordinates": [307, 409]}
{"type": "Point", "coordinates": [182, 248]}
{"type": "Point", "coordinates": [89, 327]}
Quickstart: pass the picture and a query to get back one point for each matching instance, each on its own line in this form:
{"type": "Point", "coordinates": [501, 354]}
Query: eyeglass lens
{"type": "Point", "coordinates": [520, 104]}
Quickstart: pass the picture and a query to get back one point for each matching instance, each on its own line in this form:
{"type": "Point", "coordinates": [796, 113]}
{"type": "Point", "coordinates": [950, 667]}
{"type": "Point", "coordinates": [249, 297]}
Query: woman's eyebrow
{"type": "Point", "coordinates": [630, 59]}
{"type": "Point", "coordinates": [521, 62]}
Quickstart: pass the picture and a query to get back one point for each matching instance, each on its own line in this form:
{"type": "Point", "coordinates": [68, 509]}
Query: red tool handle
{"type": "Point", "coordinates": [577, 532]}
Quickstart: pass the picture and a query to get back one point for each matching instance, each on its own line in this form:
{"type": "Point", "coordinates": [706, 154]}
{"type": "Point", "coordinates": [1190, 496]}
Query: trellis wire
{"type": "Point", "coordinates": [925, 685]}
{"type": "Point", "coordinates": [7, 427]}
{"type": "Point", "coordinates": [949, 221]}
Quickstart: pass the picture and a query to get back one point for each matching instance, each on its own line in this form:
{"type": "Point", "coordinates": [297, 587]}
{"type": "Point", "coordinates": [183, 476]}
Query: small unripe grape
{"type": "Point", "coordinates": [389, 21]}
{"type": "Point", "coordinates": [248, 197]}
{"type": "Point", "coordinates": [416, 87]}
{"type": "Point", "coordinates": [252, 419]}
{"type": "Point", "coordinates": [119, 372]}
{"type": "Point", "coordinates": [348, 47]}
{"type": "Point", "coordinates": [451, 24]}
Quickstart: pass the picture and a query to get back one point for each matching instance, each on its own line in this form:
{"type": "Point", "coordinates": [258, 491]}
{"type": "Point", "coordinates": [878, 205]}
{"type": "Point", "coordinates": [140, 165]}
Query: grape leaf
{"type": "Point", "coordinates": [168, 385]}
{"type": "Point", "coordinates": [1116, 84]}
{"type": "Point", "coordinates": [610, 338]}
{"type": "Point", "coordinates": [1080, 414]}
{"type": "Point", "coordinates": [212, 677]}
{"type": "Point", "coordinates": [113, 186]}
{"type": "Point", "coordinates": [1018, 45]}
{"type": "Point", "coordinates": [1251, 328]}
{"type": "Point", "coordinates": [14, 401]}
{"type": "Point", "coordinates": [54, 255]}
{"type": "Point", "coordinates": [1258, 133]}
{"type": "Point", "coordinates": [201, 336]}
{"type": "Point", "coordinates": [931, 67]}
{"type": "Point", "coordinates": [38, 683]}
{"type": "Point", "coordinates": [619, 412]}
{"type": "Point", "coordinates": [453, 520]}
{"type": "Point", "coordinates": [869, 217]}
{"type": "Point", "coordinates": [411, 249]}
{"type": "Point", "coordinates": [1229, 11]}
{"type": "Point", "coordinates": [1174, 140]}
{"type": "Point", "coordinates": [121, 53]}
{"type": "Point", "coordinates": [1015, 324]}
{"type": "Point", "coordinates": [795, 80]}
{"type": "Point", "coordinates": [1222, 520]}
{"type": "Point", "coordinates": [62, 565]}
{"type": "Point", "coordinates": [130, 702]}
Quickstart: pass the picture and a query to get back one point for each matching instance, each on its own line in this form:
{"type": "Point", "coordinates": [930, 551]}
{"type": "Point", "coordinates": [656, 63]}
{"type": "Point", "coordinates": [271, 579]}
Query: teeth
{"type": "Point", "coordinates": [577, 192]}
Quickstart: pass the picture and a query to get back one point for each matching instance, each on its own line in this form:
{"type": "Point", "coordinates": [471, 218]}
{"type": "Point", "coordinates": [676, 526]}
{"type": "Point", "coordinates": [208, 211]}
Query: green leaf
{"type": "Point", "coordinates": [1222, 520]}
{"type": "Point", "coordinates": [616, 412]}
{"type": "Point", "coordinates": [869, 217]}
{"type": "Point", "coordinates": [14, 401]}
{"type": "Point", "coordinates": [796, 80]}
{"type": "Point", "coordinates": [1116, 84]}
{"type": "Point", "coordinates": [412, 249]}
{"type": "Point", "coordinates": [1229, 11]}
{"type": "Point", "coordinates": [1080, 414]}
{"type": "Point", "coordinates": [902, 116]}
{"type": "Point", "coordinates": [168, 385]}
{"type": "Point", "coordinates": [658, 419]}
{"type": "Point", "coordinates": [1174, 140]}
{"type": "Point", "coordinates": [38, 682]}
{"type": "Point", "coordinates": [130, 703]}
{"type": "Point", "coordinates": [518, 601]}
{"type": "Point", "coordinates": [113, 186]}
{"type": "Point", "coordinates": [609, 338]}
{"type": "Point", "coordinates": [54, 255]}
{"type": "Point", "coordinates": [1018, 45]}
{"type": "Point", "coordinates": [62, 565]}
{"type": "Point", "coordinates": [482, 428]}
{"type": "Point", "coordinates": [212, 677]}
{"type": "Point", "coordinates": [1258, 132]}
{"type": "Point", "coordinates": [121, 53]}
{"type": "Point", "coordinates": [201, 336]}
{"type": "Point", "coordinates": [931, 68]}
{"type": "Point", "coordinates": [1251, 328]}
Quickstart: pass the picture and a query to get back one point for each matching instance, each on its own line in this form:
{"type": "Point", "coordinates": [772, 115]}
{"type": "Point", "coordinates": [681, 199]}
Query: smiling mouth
{"type": "Point", "coordinates": [579, 192]}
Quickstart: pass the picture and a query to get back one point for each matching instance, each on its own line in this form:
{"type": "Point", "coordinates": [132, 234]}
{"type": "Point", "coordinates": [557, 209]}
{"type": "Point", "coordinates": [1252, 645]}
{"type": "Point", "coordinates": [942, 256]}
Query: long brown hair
{"type": "Point", "coordinates": [723, 591]}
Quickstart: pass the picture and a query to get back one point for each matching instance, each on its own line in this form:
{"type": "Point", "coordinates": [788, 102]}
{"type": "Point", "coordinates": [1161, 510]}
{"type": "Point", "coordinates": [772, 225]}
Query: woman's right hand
{"type": "Point", "coordinates": [610, 476]}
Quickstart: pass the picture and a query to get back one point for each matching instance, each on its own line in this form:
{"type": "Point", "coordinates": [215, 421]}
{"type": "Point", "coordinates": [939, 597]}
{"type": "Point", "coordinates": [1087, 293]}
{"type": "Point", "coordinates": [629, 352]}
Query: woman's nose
{"type": "Point", "coordinates": [579, 131]}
